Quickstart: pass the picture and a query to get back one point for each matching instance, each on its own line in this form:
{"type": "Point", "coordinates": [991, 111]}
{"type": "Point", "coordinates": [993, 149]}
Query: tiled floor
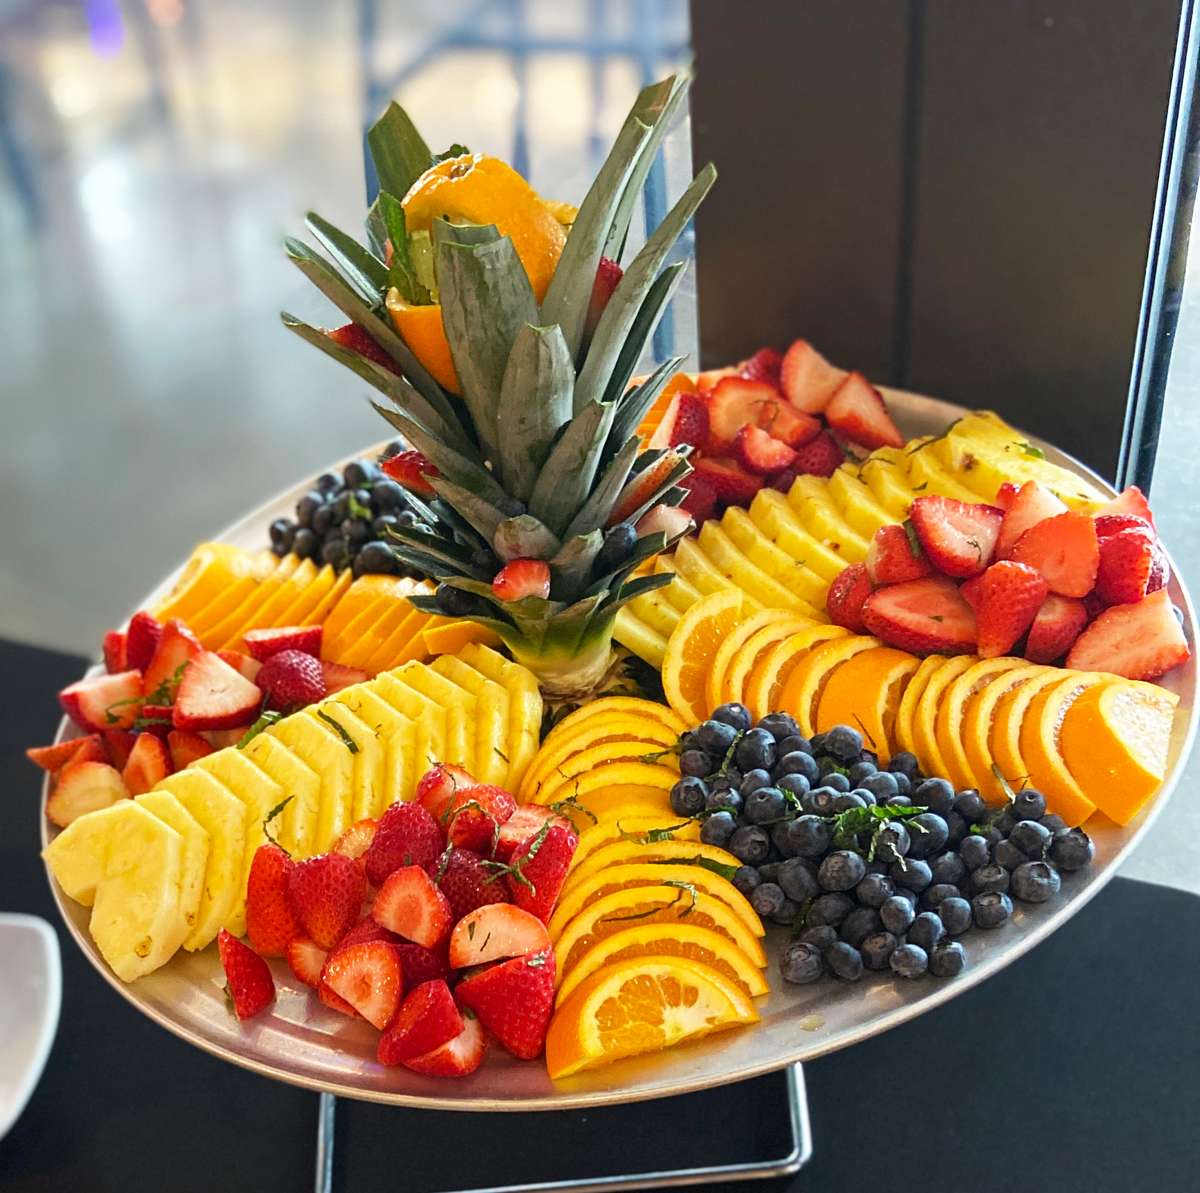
{"type": "Point", "coordinates": [149, 394]}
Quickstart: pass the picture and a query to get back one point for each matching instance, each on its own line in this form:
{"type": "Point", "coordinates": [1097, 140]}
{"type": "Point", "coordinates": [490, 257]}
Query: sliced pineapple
{"type": "Point", "coordinates": [316, 744]}
{"type": "Point", "coordinates": [856, 501]}
{"type": "Point", "coordinates": [792, 573]}
{"type": "Point", "coordinates": [398, 735]}
{"type": "Point", "coordinates": [656, 611]}
{"type": "Point", "coordinates": [680, 592]}
{"type": "Point", "coordinates": [809, 497]}
{"type": "Point", "coordinates": [430, 719]}
{"type": "Point", "coordinates": [296, 827]}
{"type": "Point", "coordinates": [927, 475]}
{"type": "Point", "coordinates": [458, 703]}
{"type": "Point", "coordinates": [195, 848]}
{"type": "Point", "coordinates": [491, 717]}
{"type": "Point", "coordinates": [887, 479]}
{"type": "Point", "coordinates": [772, 513]}
{"type": "Point", "coordinates": [368, 753]}
{"type": "Point", "coordinates": [748, 576]}
{"type": "Point", "coordinates": [635, 635]}
{"type": "Point", "coordinates": [524, 705]}
{"type": "Point", "coordinates": [77, 856]}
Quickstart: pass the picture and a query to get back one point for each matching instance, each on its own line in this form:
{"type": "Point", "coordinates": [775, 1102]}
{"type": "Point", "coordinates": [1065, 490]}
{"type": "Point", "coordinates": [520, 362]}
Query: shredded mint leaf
{"type": "Point", "coordinates": [265, 721]}
{"type": "Point", "coordinates": [1031, 450]}
{"type": "Point", "coordinates": [455, 150]}
{"type": "Point", "coordinates": [340, 729]}
{"type": "Point", "coordinates": [914, 543]}
{"type": "Point", "coordinates": [275, 811]}
{"type": "Point", "coordinates": [705, 863]}
{"type": "Point", "coordinates": [358, 510]}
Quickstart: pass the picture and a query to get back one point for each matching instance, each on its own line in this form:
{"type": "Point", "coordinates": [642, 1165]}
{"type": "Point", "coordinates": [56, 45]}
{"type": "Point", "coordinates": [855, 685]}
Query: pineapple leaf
{"type": "Point", "coordinates": [602, 499]}
{"type": "Point", "coordinates": [636, 402]}
{"type": "Point", "coordinates": [566, 478]}
{"type": "Point", "coordinates": [437, 546]}
{"type": "Point", "coordinates": [478, 513]}
{"type": "Point", "coordinates": [564, 632]}
{"type": "Point", "coordinates": [571, 568]}
{"type": "Point", "coordinates": [401, 273]}
{"type": "Point", "coordinates": [535, 400]}
{"type": "Point", "coordinates": [626, 302]}
{"type": "Point", "coordinates": [376, 226]}
{"type": "Point", "coordinates": [651, 311]}
{"type": "Point", "coordinates": [360, 266]}
{"type": "Point", "coordinates": [639, 586]}
{"type": "Point", "coordinates": [398, 151]}
{"type": "Point", "coordinates": [462, 528]}
{"type": "Point", "coordinates": [524, 537]}
{"type": "Point", "coordinates": [429, 604]}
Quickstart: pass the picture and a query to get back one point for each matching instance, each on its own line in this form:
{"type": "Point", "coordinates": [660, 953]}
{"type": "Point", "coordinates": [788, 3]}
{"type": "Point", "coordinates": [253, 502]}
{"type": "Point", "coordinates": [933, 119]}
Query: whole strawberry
{"type": "Point", "coordinates": [475, 816]}
{"type": "Point", "coordinates": [466, 882]}
{"type": "Point", "coordinates": [325, 894]}
{"type": "Point", "coordinates": [250, 984]}
{"type": "Point", "coordinates": [514, 1001]}
{"type": "Point", "coordinates": [408, 835]}
{"type": "Point", "coordinates": [420, 964]}
{"type": "Point", "coordinates": [539, 869]}
{"type": "Point", "coordinates": [292, 679]}
{"type": "Point", "coordinates": [270, 924]}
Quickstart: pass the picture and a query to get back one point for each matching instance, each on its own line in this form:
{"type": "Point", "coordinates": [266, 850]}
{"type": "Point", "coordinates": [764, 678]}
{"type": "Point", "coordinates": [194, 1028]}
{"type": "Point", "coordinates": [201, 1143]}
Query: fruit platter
{"type": "Point", "coordinates": [605, 737]}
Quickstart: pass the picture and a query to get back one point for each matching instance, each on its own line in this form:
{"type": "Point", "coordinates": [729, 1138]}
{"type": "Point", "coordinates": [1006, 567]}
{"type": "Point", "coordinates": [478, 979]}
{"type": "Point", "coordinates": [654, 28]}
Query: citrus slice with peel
{"type": "Point", "coordinates": [948, 724]}
{"type": "Point", "coordinates": [631, 706]}
{"type": "Point", "coordinates": [211, 568]}
{"type": "Point", "coordinates": [736, 639]}
{"type": "Point", "coordinates": [807, 680]}
{"type": "Point", "coordinates": [625, 852]}
{"type": "Point", "coordinates": [691, 649]}
{"type": "Point", "coordinates": [638, 829]}
{"type": "Point", "coordinates": [976, 730]}
{"type": "Point", "coordinates": [688, 879]}
{"type": "Point", "coordinates": [770, 671]}
{"type": "Point", "coordinates": [667, 940]}
{"type": "Point", "coordinates": [641, 1005]}
{"type": "Point", "coordinates": [754, 648]}
{"type": "Point", "coordinates": [614, 803]}
{"type": "Point", "coordinates": [609, 753]}
{"type": "Point", "coordinates": [865, 691]}
{"type": "Point", "coordinates": [902, 730]}
{"type": "Point", "coordinates": [1011, 709]}
{"type": "Point", "coordinates": [925, 744]}
{"type": "Point", "coordinates": [611, 774]}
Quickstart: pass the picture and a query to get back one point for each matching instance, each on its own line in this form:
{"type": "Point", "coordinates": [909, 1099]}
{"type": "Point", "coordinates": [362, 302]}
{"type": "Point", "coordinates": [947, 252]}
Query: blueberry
{"type": "Point", "coordinates": [1035, 882]}
{"type": "Point", "coordinates": [844, 961]}
{"type": "Point", "coordinates": [798, 880]}
{"type": "Point", "coordinates": [955, 913]}
{"type": "Point", "coordinates": [974, 852]}
{"type": "Point", "coordinates": [822, 935]}
{"type": "Point", "coordinates": [695, 762]}
{"type": "Point", "coordinates": [727, 780]}
{"type": "Point", "coordinates": [798, 763]}
{"type": "Point", "coordinates": [750, 844]}
{"type": "Point", "coordinates": [746, 878]}
{"type": "Point", "coordinates": [926, 930]}
{"type": "Point", "coordinates": [780, 725]}
{"type": "Point", "coordinates": [819, 801]}
{"type": "Point", "coordinates": [801, 963]}
{"type": "Point", "coordinates": [362, 504]}
{"type": "Point", "coordinates": [376, 558]}
{"type": "Point", "coordinates": [990, 909]}
{"type": "Point", "coordinates": [767, 899]}
{"type": "Point", "coordinates": [843, 743]}
{"type": "Point", "coordinates": [307, 506]}
{"type": "Point", "coordinates": [929, 832]}
{"type": "Point", "coordinates": [355, 532]}
{"type": "Point", "coordinates": [903, 786]}
{"type": "Point", "coordinates": [323, 521]}
{"type": "Point", "coordinates": [737, 715]}
{"type": "Point", "coordinates": [358, 473]}
{"type": "Point", "coordinates": [911, 874]}
{"type": "Point", "coordinates": [619, 543]}
{"type": "Point", "coordinates": [837, 781]}
{"type": "Point", "coordinates": [796, 744]}
{"type": "Point", "coordinates": [948, 867]}
{"type": "Point", "coordinates": [780, 841]}
{"type": "Point", "coordinates": [336, 551]}
{"type": "Point", "coordinates": [860, 771]}
{"type": "Point", "coordinates": [970, 805]}
{"type": "Point", "coordinates": [874, 890]}
{"type": "Point", "coordinates": [817, 744]}
{"type": "Point", "coordinates": [913, 898]}
{"type": "Point", "coordinates": [387, 495]}
{"type": "Point", "coordinates": [787, 914]}
{"type": "Point", "coordinates": [766, 803]}
{"type": "Point", "coordinates": [932, 897]}
{"type": "Point", "coordinates": [935, 794]}
{"type": "Point", "coordinates": [1072, 850]}
{"type": "Point", "coordinates": [717, 829]}
{"type": "Point", "coordinates": [789, 839]}
{"type": "Point", "coordinates": [991, 877]}
{"type": "Point", "coordinates": [892, 841]}
{"type": "Point", "coordinates": [845, 800]}
{"type": "Point", "coordinates": [830, 909]}
{"type": "Point", "coordinates": [721, 799]}
{"type": "Point", "coordinates": [688, 796]}
{"type": "Point", "coordinates": [769, 871]}
{"type": "Point", "coordinates": [756, 749]}
{"type": "Point", "coordinates": [1031, 838]}
{"type": "Point", "coordinates": [859, 924]}
{"type": "Point", "coordinates": [1055, 823]}
{"type": "Point", "coordinates": [796, 784]}
{"type": "Point", "coordinates": [327, 482]}
{"type": "Point", "coordinates": [904, 763]}
{"type": "Point", "coordinates": [810, 836]}
{"type": "Point", "coordinates": [882, 785]}
{"type": "Point", "coordinates": [282, 531]}
{"type": "Point", "coordinates": [715, 737]}
{"type": "Point", "coordinates": [1029, 804]}
{"type": "Point", "coordinates": [753, 779]}
{"type": "Point", "coordinates": [394, 448]}
{"type": "Point", "coordinates": [948, 960]}
{"type": "Point", "coordinates": [909, 961]}
{"type": "Point", "coordinates": [867, 797]}
{"type": "Point", "coordinates": [898, 801]}
{"type": "Point", "coordinates": [958, 828]}
{"type": "Point", "coordinates": [897, 913]}
{"type": "Point", "coordinates": [341, 506]}
{"type": "Point", "coordinates": [877, 950]}
{"type": "Point", "coordinates": [841, 870]}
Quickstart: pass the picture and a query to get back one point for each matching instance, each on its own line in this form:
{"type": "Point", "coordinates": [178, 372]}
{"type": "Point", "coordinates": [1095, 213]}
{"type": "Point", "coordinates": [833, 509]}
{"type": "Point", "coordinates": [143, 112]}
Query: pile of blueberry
{"type": "Point", "coordinates": [343, 520]}
{"type": "Point", "coordinates": [872, 869]}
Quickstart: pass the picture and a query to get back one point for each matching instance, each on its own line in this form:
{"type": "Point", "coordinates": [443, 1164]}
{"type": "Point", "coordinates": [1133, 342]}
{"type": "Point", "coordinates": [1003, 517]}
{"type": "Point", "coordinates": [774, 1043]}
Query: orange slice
{"type": "Point", "coordinates": [979, 713]}
{"type": "Point", "coordinates": [212, 568]}
{"type": "Point", "coordinates": [633, 828]}
{"type": "Point", "coordinates": [360, 611]}
{"type": "Point", "coordinates": [736, 639]}
{"type": "Point", "coordinates": [615, 803]}
{"type": "Point", "coordinates": [924, 737]}
{"type": "Point", "coordinates": [330, 599]}
{"type": "Point", "coordinates": [1114, 739]}
{"type": "Point", "coordinates": [865, 691]}
{"type": "Point", "coordinates": [948, 724]}
{"type": "Point", "coordinates": [309, 598]}
{"type": "Point", "coordinates": [641, 1005]}
{"type": "Point", "coordinates": [613, 774]}
{"type": "Point", "coordinates": [229, 628]}
{"type": "Point", "coordinates": [620, 853]}
{"type": "Point", "coordinates": [769, 673]}
{"type": "Point", "coordinates": [421, 328]}
{"type": "Point", "coordinates": [902, 731]}
{"type": "Point", "coordinates": [808, 677]}
{"type": "Point", "coordinates": [667, 940]}
{"type": "Point", "coordinates": [735, 684]}
{"type": "Point", "coordinates": [1011, 710]}
{"type": "Point", "coordinates": [625, 705]}
{"type": "Point", "coordinates": [609, 751]}
{"type": "Point", "coordinates": [681, 382]}
{"type": "Point", "coordinates": [693, 646]}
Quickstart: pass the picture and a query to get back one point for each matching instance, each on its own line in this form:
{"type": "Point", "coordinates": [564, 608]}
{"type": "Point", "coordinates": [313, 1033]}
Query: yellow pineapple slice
{"type": "Point", "coordinates": [458, 703]}
{"type": "Point", "coordinates": [888, 481]}
{"type": "Point", "coordinates": [856, 501]}
{"type": "Point", "coordinates": [195, 848]}
{"type": "Point", "coordinates": [761, 550]}
{"type": "Point", "coordinates": [750, 578]}
{"type": "Point", "coordinates": [524, 705]}
{"type": "Point", "coordinates": [926, 475]}
{"type": "Point", "coordinates": [295, 828]}
{"type": "Point", "coordinates": [656, 611]}
{"type": "Point", "coordinates": [771, 512]}
{"type": "Point", "coordinates": [398, 735]}
{"type": "Point", "coordinates": [809, 498]}
{"type": "Point", "coordinates": [317, 745]}
{"type": "Point", "coordinates": [635, 635]}
{"type": "Point", "coordinates": [368, 779]}
{"type": "Point", "coordinates": [430, 719]}
{"type": "Point", "coordinates": [694, 565]}
{"type": "Point", "coordinates": [76, 857]}
{"type": "Point", "coordinates": [491, 718]}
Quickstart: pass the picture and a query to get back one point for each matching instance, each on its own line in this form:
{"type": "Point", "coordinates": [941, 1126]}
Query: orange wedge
{"type": "Point", "coordinates": [735, 641]}
{"type": "Point", "coordinates": [621, 853]}
{"type": "Point", "coordinates": [948, 724]}
{"type": "Point", "coordinates": [623, 705]}
{"type": "Point", "coordinates": [1011, 710]}
{"type": "Point", "coordinates": [307, 600]}
{"type": "Point", "coordinates": [902, 730]}
{"type": "Point", "coordinates": [734, 687]}
{"type": "Point", "coordinates": [979, 713]}
{"type": "Point", "coordinates": [693, 646]}
{"type": "Point", "coordinates": [770, 671]}
{"type": "Point", "coordinates": [607, 754]}
{"type": "Point", "coordinates": [358, 596]}
{"type": "Point", "coordinates": [608, 775]}
{"type": "Point", "coordinates": [212, 568]}
{"type": "Point", "coordinates": [1114, 739]}
{"type": "Point", "coordinates": [621, 803]}
{"type": "Point", "coordinates": [634, 828]}
{"type": "Point", "coordinates": [865, 691]}
{"type": "Point", "coordinates": [808, 677]}
{"type": "Point", "coordinates": [363, 608]}
{"type": "Point", "coordinates": [641, 1005]}
{"type": "Point", "coordinates": [270, 613]}
{"type": "Point", "coordinates": [924, 736]}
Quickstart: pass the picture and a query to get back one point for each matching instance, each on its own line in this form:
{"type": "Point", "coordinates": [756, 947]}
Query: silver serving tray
{"type": "Point", "coordinates": [302, 1042]}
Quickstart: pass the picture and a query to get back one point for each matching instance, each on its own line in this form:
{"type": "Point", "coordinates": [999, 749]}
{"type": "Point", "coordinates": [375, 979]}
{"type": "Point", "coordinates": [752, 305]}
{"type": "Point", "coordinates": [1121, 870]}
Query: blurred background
{"type": "Point", "coordinates": [966, 196]}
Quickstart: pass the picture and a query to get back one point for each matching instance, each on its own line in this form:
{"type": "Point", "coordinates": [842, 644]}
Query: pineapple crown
{"type": "Point", "coordinates": [538, 452]}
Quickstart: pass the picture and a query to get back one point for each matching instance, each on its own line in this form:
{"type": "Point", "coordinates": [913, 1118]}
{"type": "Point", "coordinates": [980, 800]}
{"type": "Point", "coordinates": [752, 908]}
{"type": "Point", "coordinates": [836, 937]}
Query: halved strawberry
{"type": "Point", "coordinates": [858, 411]}
{"type": "Point", "coordinates": [411, 906]}
{"type": "Point", "coordinates": [408, 835]}
{"type": "Point", "coordinates": [475, 815]}
{"type": "Point", "coordinates": [411, 469]}
{"type": "Point", "coordinates": [242, 663]}
{"type": "Point", "coordinates": [212, 695]}
{"type": "Point", "coordinates": [55, 757]}
{"type": "Point", "coordinates": [116, 656]}
{"type": "Point", "coordinates": [1130, 500]}
{"type": "Point", "coordinates": [686, 421]}
{"type": "Point", "coordinates": [895, 555]}
{"type": "Point", "coordinates": [356, 840]}
{"type": "Point", "coordinates": [186, 748]}
{"type": "Point", "coordinates": [265, 642]}
{"type": "Point", "coordinates": [521, 578]}
{"type": "Point", "coordinates": [821, 456]}
{"type": "Point", "coordinates": [250, 983]}
{"type": "Point", "coordinates": [734, 404]}
{"type": "Point", "coordinates": [781, 420]}
{"type": "Point", "coordinates": [701, 499]}
{"type": "Point", "coordinates": [437, 787]}
{"type": "Point", "coordinates": [642, 486]}
{"type": "Point", "coordinates": [467, 882]}
{"type": "Point", "coordinates": [1032, 503]}
{"type": "Point", "coordinates": [970, 591]}
{"type": "Point", "coordinates": [539, 868]}
{"type": "Point", "coordinates": [923, 616]}
{"type": "Point", "coordinates": [91, 749]}
{"type": "Point", "coordinates": [523, 825]}
{"type": "Point", "coordinates": [671, 520]}
{"type": "Point", "coordinates": [1065, 550]}
{"type": "Point", "coordinates": [514, 1001]}
{"type": "Point", "coordinates": [119, 744]}
{"type": "Point", "coordinates": [142, 639]}
{"type": "Point", "coordinates": [306, 959]}
{"type": "Point", "coordinates": [176, 648]}
{"type": "Point", "coordinates": [325, 894]}
{"type": "Point", "coordinates": [761, 453]}
{"type": "Point", "coordinates": [83, 787]}
{"type": "Point", "coordinates": [419, 963]}
{"type": "Point", "coordinates": [458, 1057]}
{"type": "Point", "coordinates": [1058, 623]}
{"type": "Point", "coordinates": [846, 596]}
{"type": "Point", "coordinates": [494, 932]}
{"type": "Point", "coordinates": [103, 701]}
{"type": "Point", "coordinates": [608, 275]}
{"type": "Point", "coordinates": [807, 379]}
{"type": "Point", "coordinates": [958, 537]}
{"type": "Point", "coordinates": [765, 365]}
{"type": "Point", "coordinates": [731, 483]}
{"type": "Point", "coordinates": [368, 977]}
{"type": "Point", "coordinates": [782, 482]}
{"type": "Point", "coordinates": [339, 676]}
{"type": "Point", "coordinates": [428, 1018]}
{"type": "Point", "coordinates": [1010, 594]}
{"type": "Point", "coordinates": [1109, 524]}
{"type": "Point", "coordinates": [149, 763]}
{"type": "Point", "coordinates": [271, 924]}
{"type": "Point", "coordinates": [351, 336]}
{"type": "Point", "coordinates": [1005, 495]}
{"type": "Point", "coordinates": [1126, 564]}
{"type": "Point", "coordinates": [1140, 641]}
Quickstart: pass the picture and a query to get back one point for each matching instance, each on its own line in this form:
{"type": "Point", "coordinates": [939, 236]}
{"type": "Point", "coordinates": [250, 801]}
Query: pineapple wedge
{"type": "Point", "coordinates": [458, 703]}
{"type": "Point", "coordinates": [926, 474]}
{"type": "Point", "coordinates": [429, 719]}
{"type": "Point", "coordinates": [368, 757]}
{"type": "Point", "coordinates": [774, 516]}
{"type": "Point", "coordinates": [809, 498]}
{"type": "Point", "coordinates": [195, 847]}
{"type": "Point", "coordinates": [694, 565]}
{"type": "Point", "coordinates": [759, 549]}
{"type": "Point", "coordinates": [491, 717]}
{"type": "Point", "coordinates": [297, 828]}
{"type": "Point", "coordinates": [635, 635]}
{"type": "Point", "coordinates": [320, 747]}
{"type": "Point", "coordinates": [524, 705]}
{"type": "Point", "coordinates": [396, 731]}
{"type": "Point", "coordinates": [749, 577]}
{"type": "Point", "coordinates": [77, 856]}
{"type": "Point", "coordinates": [856, 501]}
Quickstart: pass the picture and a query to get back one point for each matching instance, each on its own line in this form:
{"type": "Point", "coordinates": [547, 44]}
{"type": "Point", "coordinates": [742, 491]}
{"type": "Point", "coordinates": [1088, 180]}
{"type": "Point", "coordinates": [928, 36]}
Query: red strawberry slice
{"type": "Point", "coordinates": [306, 959]}
{"type": "Point", "coordinates": [420, 964]}
{"type": "Point", "coordinates": [495, 932]}
{"type": "Point", "coordinates": [325, 894]}
{"type": "Point", "coordinates": [539, 869]}
{"type": "Point", "coordinates": [92, 750]}
{"type": "Point", "coordinates": [82, 787]}
{"type": "Point", "coordinates": [1129, 501]}
{"type": "Point", "coordinates": [270, 922]}
{"type": "Point", "coordinates": [783, 421]}
{"type": "Point", "coordinates": [765, 365]}
{"type": "Point", "coordinates": [1032, 503]}
{"type": "Point", "coordinates": [408, 835]}
{"type": "Point", "coordinates": [1141, 641]}
{"type": "Point", "coordinates": [149, 763]}
{"type": "Point", "coordinates": [457, 1058]}
{"type": "Point", "coordinates": [686, 421]}
{"type": "Point", "coordinates": [186, 748]}
{"type": "Point", "coordinates": [411, 906]}
{"type": "Point", "coordinates": [701, 499]}
{"type": "Point", "coordinates": [334, 1001]}
{"type": "Point", "coordinates": [970, 591]}
{"type": "Point", "coordinates": [608, 275]}
{"type": "Point", "coordinates": [116, 654]}
{"type": "Point", "coordinates": [821, 456]}
{"type": "Point", "coordinates": [412, 470]}
{"type": "Point", "coordinates": [103, 701]}
{"type": "Point", "coordinates": [1126, 565]}
{"type": "Point", "coordinates": [212, 695]}
{"type": "Point", "coordinates": [367, 930]}
{"type": "Point", "coordinates": [437, 787]}
{"type": "Point", "coordinates": [467, 883]}
{"type": "Point", "coordinates": [731, 484]}
{"type": "Point", "coordinates": [142, 639]}
{"type": "Point", "coordinates": [368, 977]}
{"type": "Point", "coordinates": [176, 648]}
{"type": "Point", "coordinates": [1109, 524]}
{"type": "Point", "coordinates": [958, 537]}
{"type": "Point", "coordinates": [522, 578]}
{"type": "Point", "coordinates": [475, 815]}
{"type": "Point", "coordinates": [734, 404]}
{"type": "Point", "coordinates": [357, 839]}
{"type": "Point", "coordinates": [242, 663]}
{"type": "Point", "coordinates": [759, 452]}
{"type": "Point", "coordinates": [807, 379]}
{"type": "Point", "coordinates": [338, 676]}
{"type": "Point", "coordinates": [1006, 495]}
{"type": "Point", "coordinates": [1065, 550]}
{"type": "Point", "coordinates": [923, 616]}
{"type": "Point", "coordinates": [782, 482]}
{"type": "Point", "coordinates": [514, 1001]}
{"type": "Point", "coordinates": [858, 410]}
{"type": "Point", "coordinates": [263, 643]}
{"type": "Point", "coordinates": [55, 757]}
{"type": "Point", "coordinates": [351, 336]}
{"type": "Point", "coordinates": [523, 825]}
{"type": "Point", "coordinates": [1058, 623]}
{"type": "Point", "coordinates": [428, 1018]}
{"type": "Point", "coordinates": [1010, 594]}
{"type": "Point", "coordinates": [895, 555]}
{"type": "Point", "coordinates": [846, 596]}
{"type": "Point", "coordinates": [670, 520]}
{"type": "Point", "coordinates": [643, 486]}
{"type": "Point", "coordinates": [249, 979]}
{"type": "Point", "coordinates": [1160, 570]}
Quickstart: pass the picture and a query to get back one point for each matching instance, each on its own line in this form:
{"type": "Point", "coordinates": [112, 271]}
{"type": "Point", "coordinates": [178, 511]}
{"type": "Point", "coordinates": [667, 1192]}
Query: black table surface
{"type": "Point", "coordinates": [1076, 1069]}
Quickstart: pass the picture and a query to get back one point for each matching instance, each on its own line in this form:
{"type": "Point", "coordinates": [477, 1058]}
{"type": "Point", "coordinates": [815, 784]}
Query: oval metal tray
{"type": "Point", "coordinates": [302, 1042]}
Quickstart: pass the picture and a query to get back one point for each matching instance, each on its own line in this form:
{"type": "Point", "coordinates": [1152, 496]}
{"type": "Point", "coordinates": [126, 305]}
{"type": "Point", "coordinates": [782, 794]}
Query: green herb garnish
{"type": "Point", "coordinates": [340, 729]}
